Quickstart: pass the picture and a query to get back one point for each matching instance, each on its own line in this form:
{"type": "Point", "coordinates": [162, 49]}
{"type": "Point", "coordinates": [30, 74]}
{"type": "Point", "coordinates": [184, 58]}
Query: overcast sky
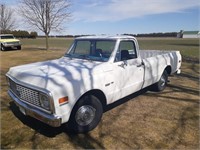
{"type": "Point", "coordinates": [129, 16]}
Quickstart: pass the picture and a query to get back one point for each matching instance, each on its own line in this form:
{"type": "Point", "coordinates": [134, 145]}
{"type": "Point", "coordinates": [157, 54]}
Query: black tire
{"type": "Point", "coordinates": [3, 48]}
{"type": "Point", "coordinates": [18, 47]}
{"type": "Point", "coordinates": [86, 114]}
{"type": "Point", "coordinates": [161, 84]}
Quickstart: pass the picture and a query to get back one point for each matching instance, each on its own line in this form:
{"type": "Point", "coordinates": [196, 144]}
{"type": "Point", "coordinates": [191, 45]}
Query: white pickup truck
{"type": "Point", "coordinates": [95, 72]}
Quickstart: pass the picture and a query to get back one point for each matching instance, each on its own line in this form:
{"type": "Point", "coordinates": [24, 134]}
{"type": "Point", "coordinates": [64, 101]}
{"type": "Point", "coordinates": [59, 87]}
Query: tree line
{"type": "Point", "coordinates": [21, 33]}
{"type": "Point", "coordinates": [160, 34]}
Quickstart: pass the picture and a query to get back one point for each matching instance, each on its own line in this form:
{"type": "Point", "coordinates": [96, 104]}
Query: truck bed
{"type": "Point", "coordinates": [155, 61]}
{"type": "Point", "coordinates": [152, 53]}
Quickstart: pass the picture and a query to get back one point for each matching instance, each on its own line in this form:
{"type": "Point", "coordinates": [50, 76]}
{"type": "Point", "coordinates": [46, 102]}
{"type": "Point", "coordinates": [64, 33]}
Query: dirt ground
{"type": "Point", "coordinates": [145, 120]}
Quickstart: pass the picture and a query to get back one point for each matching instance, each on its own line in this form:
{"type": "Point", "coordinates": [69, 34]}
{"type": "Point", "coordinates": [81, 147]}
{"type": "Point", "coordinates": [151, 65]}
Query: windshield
{"type": "Point", "coordinates": [95, 50]}
{"type": "Point", "coordinates": [7, 37]}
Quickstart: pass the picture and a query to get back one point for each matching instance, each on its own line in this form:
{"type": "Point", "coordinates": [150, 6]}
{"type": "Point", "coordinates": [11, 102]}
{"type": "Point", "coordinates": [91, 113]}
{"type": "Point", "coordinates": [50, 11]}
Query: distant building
{"type": "Point", "coordinates": [180, 34]}
{"type": "Point", "coordinates": [191, 34]}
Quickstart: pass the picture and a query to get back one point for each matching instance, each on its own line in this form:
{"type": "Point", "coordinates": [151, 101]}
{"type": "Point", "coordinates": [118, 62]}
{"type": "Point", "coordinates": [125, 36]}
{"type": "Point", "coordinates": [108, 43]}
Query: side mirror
{"type": "Point", "coordinates": [123, 64]}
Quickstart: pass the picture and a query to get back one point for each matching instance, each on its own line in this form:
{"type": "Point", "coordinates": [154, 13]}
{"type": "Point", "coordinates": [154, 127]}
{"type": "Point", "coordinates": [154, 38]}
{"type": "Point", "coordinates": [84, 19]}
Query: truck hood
{"type": "Point", "coordinates": [44, 74]}
{"type": "Point", "coordinates": [9, 40]}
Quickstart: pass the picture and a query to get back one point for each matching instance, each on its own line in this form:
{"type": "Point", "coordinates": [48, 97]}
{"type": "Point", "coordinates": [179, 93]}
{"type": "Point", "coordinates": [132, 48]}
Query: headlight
{"type": "Point", "coordinates": [44, 101]}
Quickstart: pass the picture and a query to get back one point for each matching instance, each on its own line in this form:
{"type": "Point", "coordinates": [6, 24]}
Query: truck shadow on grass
{"type": "Point", "coordinates": [33, 123]}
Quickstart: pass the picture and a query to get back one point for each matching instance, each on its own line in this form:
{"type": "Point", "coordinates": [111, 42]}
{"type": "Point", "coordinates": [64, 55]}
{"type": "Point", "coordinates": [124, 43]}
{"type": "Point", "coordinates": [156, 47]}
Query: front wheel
{"type": "Point", "coordinates": [86, 114]}
{"type": "Point", "coordinates": [161, 84]}
{"type": "Point", "coordinates": [3, 48]}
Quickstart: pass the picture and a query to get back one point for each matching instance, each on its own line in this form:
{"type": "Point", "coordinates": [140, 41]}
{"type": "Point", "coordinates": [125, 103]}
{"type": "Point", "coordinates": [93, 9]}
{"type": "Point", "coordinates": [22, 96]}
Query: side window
{"type": "Point", "coordinates": [126, 51]}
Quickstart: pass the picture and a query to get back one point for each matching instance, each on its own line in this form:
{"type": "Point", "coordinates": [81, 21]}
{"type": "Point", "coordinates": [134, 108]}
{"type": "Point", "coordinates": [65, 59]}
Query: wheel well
{"type": "Point", "coordinates": [168, 69]}
{"type": "Point", "coordinates": [99, 94]}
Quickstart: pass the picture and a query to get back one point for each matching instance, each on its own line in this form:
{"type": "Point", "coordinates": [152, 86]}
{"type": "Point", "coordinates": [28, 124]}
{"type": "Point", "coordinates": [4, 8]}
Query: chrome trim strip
{"type": "Point", "coordinates": [45, 91]}
{"type": "Point", "coordinates": [52, 120]}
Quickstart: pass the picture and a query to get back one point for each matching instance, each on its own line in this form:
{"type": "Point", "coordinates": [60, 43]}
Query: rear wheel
{"type": "Point", "coordinates": [161, 84]}
{"type": "Point", "coordinates": [19, 47]}
{"type": "Point", "coordinates": [86, 114]}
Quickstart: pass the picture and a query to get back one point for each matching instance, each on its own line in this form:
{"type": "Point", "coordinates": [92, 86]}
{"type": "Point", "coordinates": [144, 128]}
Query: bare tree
{"type": "Point", "coordinates": [45, 15]}
{"type": "Point", "coordinates": [7, 20]}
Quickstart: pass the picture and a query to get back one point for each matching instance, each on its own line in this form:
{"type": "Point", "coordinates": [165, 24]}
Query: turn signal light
{"type": "Point", "coordinates": [63, 100]}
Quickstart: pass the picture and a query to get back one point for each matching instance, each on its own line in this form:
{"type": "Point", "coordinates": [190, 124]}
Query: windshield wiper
{"type": "Point", "coordinates": [85, 57]}
{"type": "Point", "coordinates": [68, 55]}
{"type": "Point", "coordinates": [80, 56]}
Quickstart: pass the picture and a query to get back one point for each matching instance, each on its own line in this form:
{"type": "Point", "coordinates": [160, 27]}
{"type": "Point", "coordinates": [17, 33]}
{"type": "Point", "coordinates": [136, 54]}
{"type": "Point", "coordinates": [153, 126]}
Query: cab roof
{"type": "Point", "coordinates": [106, 37]}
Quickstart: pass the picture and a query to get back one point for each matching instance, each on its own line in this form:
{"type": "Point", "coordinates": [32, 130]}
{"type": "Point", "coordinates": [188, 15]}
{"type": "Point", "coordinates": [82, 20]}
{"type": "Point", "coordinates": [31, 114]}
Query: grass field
{"type": "Point", "coordinates": [145, 120]}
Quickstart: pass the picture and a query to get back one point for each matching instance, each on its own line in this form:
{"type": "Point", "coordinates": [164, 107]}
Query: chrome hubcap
{"type": "Point", "coordinates": [162, 81]}
{"type": "Point", "coordinates": [85, 115]}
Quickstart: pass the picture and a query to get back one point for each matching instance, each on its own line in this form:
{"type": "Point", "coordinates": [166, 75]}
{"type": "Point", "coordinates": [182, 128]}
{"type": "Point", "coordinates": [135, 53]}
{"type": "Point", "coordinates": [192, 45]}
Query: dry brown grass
{"type": "Point", "coordinates": [145, 120]}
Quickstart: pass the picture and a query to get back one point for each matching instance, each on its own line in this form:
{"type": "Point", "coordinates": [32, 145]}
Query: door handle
{"type": "Point", "coordinates": [123, 64]}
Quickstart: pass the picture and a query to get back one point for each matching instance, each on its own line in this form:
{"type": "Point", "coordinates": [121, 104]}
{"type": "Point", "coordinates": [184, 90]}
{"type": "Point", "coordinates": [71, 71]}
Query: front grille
{"type": "Point", "coordinates": [25, 94]}
{"type": "Point", "coordinates": [14, 43]}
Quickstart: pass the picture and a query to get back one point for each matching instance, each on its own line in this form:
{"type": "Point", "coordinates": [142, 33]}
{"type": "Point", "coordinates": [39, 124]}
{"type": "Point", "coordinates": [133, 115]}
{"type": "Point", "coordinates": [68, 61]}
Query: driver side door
{"type": "Point", "coordinates": [128, 69]}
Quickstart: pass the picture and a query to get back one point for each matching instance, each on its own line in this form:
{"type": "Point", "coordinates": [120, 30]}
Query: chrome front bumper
{"type": "Point", "coordinates": [12, 44]}
{"type": "Point", "coordinates": [50, 119]}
